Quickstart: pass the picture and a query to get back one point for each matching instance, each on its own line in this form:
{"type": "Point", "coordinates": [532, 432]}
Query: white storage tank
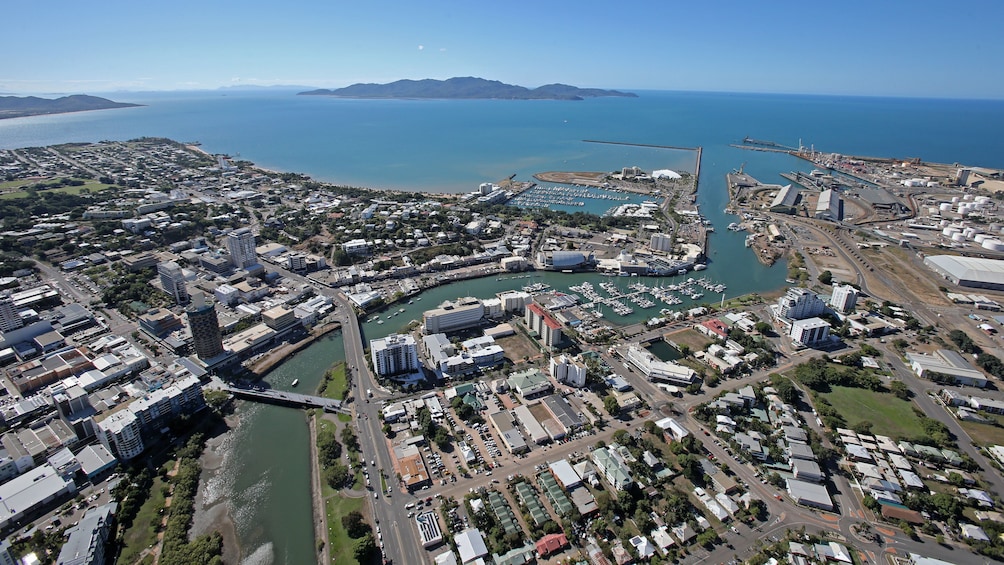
{"type": "Point", "coordinates": [955, 200]}
{"type": "Point", "coordinates": [959, 238]}
{"type": "Point", "coordinates": [946, 207]}
{"type": "Point", "coordinates": [967, 197]}
{"type": "Point", "coordinates": [932, 211]}
{"type": "Point", "coordinates": [969, 233]}
{"type": "Point", "coordinates": [944, 223]}
{"type": "Point", "coordinates": [949, 232]}
{"type": "Point", "coordinates": [980, 238]}
{"type": "Point", "coordinates": [982, 199]}
{"type": "Point", "coordinates": [994, 227]}
{"type": "Point", "coordinates": [993, 245]}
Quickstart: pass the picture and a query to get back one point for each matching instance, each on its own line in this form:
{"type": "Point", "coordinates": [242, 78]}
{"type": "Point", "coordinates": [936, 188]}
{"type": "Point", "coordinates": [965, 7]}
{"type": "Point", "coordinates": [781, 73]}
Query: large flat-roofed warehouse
{"type": "Point", "coordinates": [968, 271]}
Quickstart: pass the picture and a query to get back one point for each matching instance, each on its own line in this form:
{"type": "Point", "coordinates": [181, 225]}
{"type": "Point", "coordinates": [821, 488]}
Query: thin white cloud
{"type": "Point", "coordinates": [421, 47]}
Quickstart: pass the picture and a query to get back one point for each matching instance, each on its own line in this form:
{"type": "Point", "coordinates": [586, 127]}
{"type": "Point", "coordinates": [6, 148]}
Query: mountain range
{"type": "Point", "coordinates": [21, 106]}
{"type": "Point", "coordinates": [465, 88]}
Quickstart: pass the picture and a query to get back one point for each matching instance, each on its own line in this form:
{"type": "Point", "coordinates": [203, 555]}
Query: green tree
{"type": "Point", "coordinates": [900, 389]}
{"type": "Point", "coordinates": [611, 405]}
{"type": "Point", "coordinates": [366, 549]}
{"type": "Point", "coordinates": [825, 277]}
{"type": "Point", "coordinates": [355, 525]}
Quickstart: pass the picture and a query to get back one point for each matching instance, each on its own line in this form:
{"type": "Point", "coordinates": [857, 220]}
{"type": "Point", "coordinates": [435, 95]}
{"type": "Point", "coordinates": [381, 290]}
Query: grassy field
{"type": "Point", "coordinates": [142, 533]}
{"type": "Point", "coordinates": [889, 415]}
{"type": "Point", "coordinates": [342, 547]}
{"type": "Point", "coordinates": [13, 189]}
{"type": "Point", "coordinates": [986, 434]}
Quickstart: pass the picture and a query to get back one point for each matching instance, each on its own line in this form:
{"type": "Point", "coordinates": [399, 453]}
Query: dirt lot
{"type": "Point", "coordinates": [517, 347]}
{"type": "Point", "coordinates": [692, 338]}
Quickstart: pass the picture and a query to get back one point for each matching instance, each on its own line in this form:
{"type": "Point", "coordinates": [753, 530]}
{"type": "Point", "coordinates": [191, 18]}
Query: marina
{"type": "Point", "coordinates": [556, 197]}
{"type": "Point", "coordinates": [643, 296]}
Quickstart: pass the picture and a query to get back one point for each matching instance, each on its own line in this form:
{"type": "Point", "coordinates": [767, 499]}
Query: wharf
{"type": "Point", "coordinates": [803, 180]}
{"type": "Point", "coordinates": [737, 182]}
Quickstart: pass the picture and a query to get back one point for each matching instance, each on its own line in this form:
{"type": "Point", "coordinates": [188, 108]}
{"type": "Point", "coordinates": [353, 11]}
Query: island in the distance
{"type": "Point", "coordinates": [22, 106]}
{"type": "Point", "coordinates": [466, 88]}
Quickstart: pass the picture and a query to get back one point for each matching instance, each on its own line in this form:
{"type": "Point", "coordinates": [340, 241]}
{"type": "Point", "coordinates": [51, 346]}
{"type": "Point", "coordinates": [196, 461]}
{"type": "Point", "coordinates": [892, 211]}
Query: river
{"type": "Point", "coordinates": [263, 479]}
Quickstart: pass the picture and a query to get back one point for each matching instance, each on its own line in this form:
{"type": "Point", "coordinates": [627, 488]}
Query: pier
{"type": "Point", "coordinates": [283, 398]}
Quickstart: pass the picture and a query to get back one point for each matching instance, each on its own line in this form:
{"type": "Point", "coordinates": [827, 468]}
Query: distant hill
{"type": "Point", "coordinates": [465, 88]}
{"type": "Point", "coordinates": [21, 106]}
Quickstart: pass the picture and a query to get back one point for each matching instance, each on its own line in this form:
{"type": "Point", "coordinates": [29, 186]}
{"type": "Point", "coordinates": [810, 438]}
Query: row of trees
{"type": "Point", "coordinates": [329, 454]}
{"type": "Point", "coordinates": [176, 549]}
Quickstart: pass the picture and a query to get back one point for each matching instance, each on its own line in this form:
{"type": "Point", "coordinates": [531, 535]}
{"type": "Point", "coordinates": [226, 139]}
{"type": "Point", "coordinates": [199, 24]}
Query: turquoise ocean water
{"type": "Point", "coordinates": [455, 145]}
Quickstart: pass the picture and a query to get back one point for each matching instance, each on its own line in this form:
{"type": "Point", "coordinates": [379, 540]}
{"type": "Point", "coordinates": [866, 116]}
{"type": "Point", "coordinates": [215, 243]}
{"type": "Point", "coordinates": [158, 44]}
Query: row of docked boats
{"type": "Point", "coordinates": [645, 296]}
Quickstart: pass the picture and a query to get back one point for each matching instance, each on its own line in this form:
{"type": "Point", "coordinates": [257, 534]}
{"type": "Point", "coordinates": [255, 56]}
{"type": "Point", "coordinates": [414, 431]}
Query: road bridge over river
{"type": "Point", "coordinates": [284, 398]}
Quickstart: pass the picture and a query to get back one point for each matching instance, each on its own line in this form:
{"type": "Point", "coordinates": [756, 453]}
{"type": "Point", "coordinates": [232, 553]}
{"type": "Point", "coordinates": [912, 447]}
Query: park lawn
{"type": "Point", "coordinates": [890, 416]}
{"type": "Point", "coordinates": [342, 547]}
{"type": "Point", "coordinates": [142, 533]}
{"type": "Point", "coordinates": [16, 192]}
{"type": "Point", "coordinates": [337, 385]}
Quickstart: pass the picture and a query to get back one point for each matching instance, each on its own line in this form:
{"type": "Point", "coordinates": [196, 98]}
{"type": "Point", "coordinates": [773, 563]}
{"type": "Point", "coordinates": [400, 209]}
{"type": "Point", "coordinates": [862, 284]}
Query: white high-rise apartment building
{"type": "Point", "coordinates": [394, 355]}
{"type": "Point", "coordinates": [568, 371]}
{"type": "Point", "coordinates": [173, 280]}
{"type": "Point", "coordinates": [240, 244]}
{"type": "Point", "coordinates": [844, 298]}
{"type": "Point", "coordinates": [10, 319]}
{"type": "Point", "coordinates": [799, 304]}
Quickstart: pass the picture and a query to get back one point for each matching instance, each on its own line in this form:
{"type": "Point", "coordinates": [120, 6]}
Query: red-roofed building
{"type": "Point", "coordinates": [551, 543]}
{"type": "Point", "coordinates": [541, 321]}
{"type": "Point", "coordinates": [714, 328]}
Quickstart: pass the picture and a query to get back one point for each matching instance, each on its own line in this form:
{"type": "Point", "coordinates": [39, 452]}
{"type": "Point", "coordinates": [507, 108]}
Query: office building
{"type": "Point", "coordinates": [240, 244]}
{"type": "Point", "coordinates": [10, 319]}
{"type": "Point", "coordinates": [844, 298]}
{"type": "Point", "coordinates": [453, 316]}
{"type": "Point", "coordinates": [657, 370]}
{"type": "Point", "coordinates": [799, 303]}
{"type": "Point", "coordinates": [173, 280]}
{"type": "Point", "coordinates": [205, 327]}
{"type": "Point", "coordinates": [394, 355]}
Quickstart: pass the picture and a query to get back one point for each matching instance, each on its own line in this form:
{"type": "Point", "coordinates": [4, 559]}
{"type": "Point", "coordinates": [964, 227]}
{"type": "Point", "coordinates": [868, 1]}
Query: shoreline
{"type": "Point", "coordinates": [216, 515]}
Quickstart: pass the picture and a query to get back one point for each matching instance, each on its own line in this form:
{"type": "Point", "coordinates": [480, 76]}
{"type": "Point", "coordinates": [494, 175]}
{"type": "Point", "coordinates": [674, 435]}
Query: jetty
{"type": "Point", "coordinates": [283, 398]}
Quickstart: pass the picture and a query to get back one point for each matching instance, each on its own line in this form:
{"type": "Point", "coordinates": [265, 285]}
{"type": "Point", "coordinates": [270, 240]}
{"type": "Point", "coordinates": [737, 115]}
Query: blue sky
{"type": "Point", "coordinates": [885, 47]}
